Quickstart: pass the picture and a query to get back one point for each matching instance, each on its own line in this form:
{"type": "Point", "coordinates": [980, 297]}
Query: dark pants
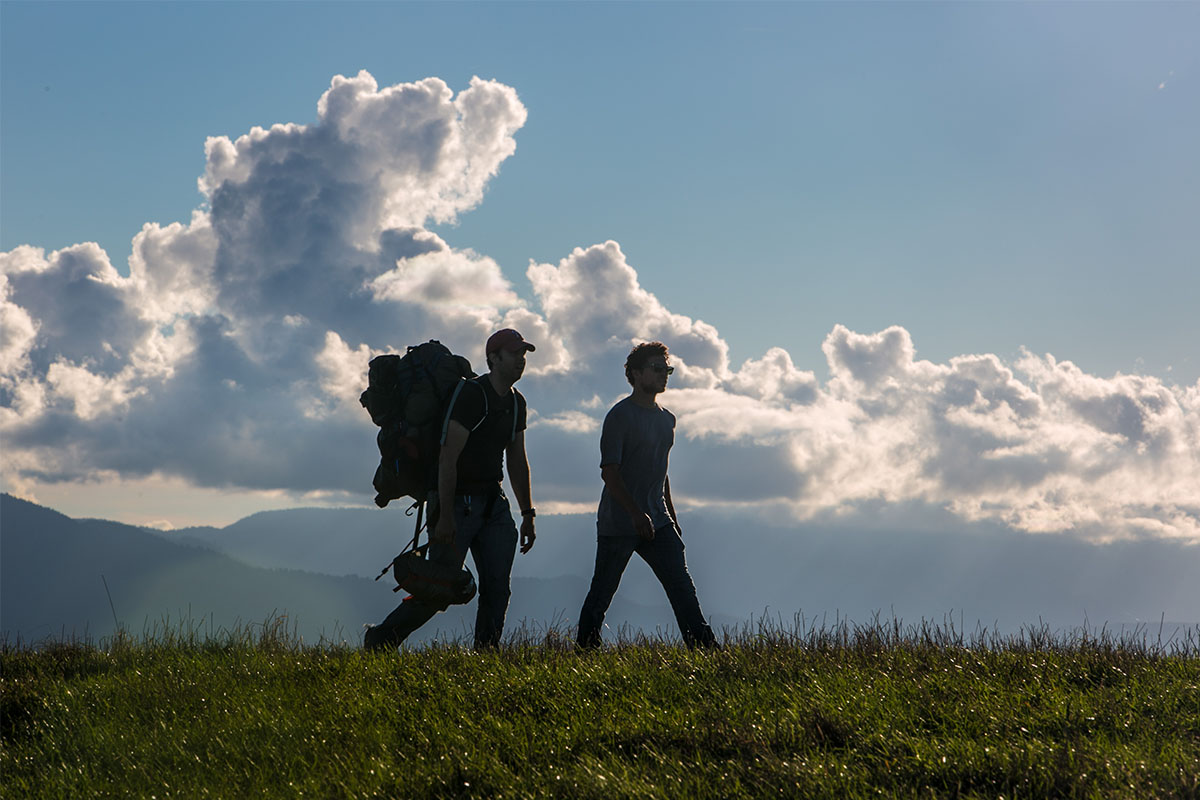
{"type": "Point", "coordinates": [664, 554]}
{"type": "Point", "coordinates": [492, 541]}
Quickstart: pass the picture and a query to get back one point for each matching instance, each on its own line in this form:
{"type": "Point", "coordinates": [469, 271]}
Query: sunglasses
{"type": "Point", "coordinates": [660, 369]}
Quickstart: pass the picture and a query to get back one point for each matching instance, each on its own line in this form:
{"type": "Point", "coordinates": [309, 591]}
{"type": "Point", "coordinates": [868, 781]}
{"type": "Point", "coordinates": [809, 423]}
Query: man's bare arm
{"type": "Point", "coordinates": [670, 505]}
{"type": "Point", "coordinates": [456, 440]}
{"type": "Point", "coordinates": [642, 524]}
{"type": "Point", "coordinates": [522, 486]}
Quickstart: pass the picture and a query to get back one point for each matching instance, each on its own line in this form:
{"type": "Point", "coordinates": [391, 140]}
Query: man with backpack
{"type": "Point", "coordinates": [636, 514]}
{"type": "Point", "coordinates": [485, 427]}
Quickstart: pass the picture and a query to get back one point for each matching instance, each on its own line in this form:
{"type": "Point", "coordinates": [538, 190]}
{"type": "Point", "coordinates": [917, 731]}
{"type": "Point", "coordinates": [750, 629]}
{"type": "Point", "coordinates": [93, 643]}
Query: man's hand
{"type": "Point", "coordinates": [444, 531]}
{"type": "Point", "coordinates": [527, 534]}
{"type": "Point", "coordinates": [643, 526]}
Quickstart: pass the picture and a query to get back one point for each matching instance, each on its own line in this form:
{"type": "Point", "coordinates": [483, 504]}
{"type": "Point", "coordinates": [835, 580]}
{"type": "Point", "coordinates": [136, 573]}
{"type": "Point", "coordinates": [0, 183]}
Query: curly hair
{"type": "Point", "coordinates": [642, 353]}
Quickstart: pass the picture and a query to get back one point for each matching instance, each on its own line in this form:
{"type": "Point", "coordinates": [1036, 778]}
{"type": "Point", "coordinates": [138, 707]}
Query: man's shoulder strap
{"type": "Point", "coordinates": [454, 399]}
{"type": "Point", "coordinates": [483, 392]}
{"type": "Point", "coordinates": [519, 405]}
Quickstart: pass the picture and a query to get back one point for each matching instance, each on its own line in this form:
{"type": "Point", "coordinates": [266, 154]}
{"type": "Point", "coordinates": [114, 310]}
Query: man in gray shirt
{"type": "Point", "coordinates": [636, 513]}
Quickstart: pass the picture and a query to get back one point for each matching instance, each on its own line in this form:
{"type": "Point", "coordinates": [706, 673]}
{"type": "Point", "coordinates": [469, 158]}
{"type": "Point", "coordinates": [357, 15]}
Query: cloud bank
{"type": "Point", "coordinates": [232, 354]}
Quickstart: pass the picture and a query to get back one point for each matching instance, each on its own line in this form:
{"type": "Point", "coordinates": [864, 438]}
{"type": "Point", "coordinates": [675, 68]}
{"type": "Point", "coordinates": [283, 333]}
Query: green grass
{"type": "Point", "coordinates": [877, 711]}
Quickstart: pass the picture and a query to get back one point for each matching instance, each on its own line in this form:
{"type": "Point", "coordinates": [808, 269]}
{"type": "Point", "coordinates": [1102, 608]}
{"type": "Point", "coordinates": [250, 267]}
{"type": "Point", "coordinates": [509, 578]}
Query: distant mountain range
{"type": "Point", "coordinates": [57, 575]}
{"type": "Point", "coordinates": [316, 566]}
{"type": "Point", "coordinates": [340, 541]}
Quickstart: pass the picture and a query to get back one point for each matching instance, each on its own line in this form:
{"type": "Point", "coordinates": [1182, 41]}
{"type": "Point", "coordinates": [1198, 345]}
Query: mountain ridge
{"type": "Point", "coordinates": [64, 577]}
{"type": "Point", "coordinates": [911, 564]}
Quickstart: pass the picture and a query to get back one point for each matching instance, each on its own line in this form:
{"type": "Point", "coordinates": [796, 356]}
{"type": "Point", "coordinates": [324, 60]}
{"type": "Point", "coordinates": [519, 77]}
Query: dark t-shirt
{"type": "Point", "coordinates": [639, 440]}
{"type": "Point", "coordinates": [488, 418]}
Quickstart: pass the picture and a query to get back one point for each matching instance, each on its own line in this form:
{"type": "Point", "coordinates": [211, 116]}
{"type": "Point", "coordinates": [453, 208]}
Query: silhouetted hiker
{"type": "Point", "coordinates": [486, 427]}
{"type": "Point", "coordinates": [636, 513]}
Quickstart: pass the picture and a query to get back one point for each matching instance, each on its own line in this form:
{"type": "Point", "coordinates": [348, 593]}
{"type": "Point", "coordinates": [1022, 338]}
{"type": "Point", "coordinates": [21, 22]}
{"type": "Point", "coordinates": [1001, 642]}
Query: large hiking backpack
{"type": "Point", "coordinates": [407, 397]}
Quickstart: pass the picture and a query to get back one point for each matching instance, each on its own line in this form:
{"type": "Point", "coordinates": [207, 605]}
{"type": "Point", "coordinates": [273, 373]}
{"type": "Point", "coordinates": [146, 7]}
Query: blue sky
{"type": "Point", "coordinates": [989, 176]}
{"type": "Point", "coordinates": [873, 234]}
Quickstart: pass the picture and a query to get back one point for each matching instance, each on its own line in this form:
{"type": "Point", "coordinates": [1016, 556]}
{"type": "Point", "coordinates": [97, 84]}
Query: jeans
{"type": "Point", "coordinates": [493, 544]}
{"type": "Point", "coordinates": [664, 554]}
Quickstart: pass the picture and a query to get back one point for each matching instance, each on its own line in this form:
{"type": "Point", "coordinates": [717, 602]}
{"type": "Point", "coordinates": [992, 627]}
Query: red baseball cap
{"type": "Point", "coordinates": [507, 339]}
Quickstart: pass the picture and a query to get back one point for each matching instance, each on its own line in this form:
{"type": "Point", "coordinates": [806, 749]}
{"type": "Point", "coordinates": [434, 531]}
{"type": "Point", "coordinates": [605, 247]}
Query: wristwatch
{"type": "Point", "coordinates": [529, 512]}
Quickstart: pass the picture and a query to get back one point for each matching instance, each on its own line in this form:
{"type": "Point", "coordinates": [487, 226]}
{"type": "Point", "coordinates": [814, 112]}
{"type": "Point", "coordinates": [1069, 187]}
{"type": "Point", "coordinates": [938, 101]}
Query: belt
{"type": "Point", "coordinates": [478, 490]}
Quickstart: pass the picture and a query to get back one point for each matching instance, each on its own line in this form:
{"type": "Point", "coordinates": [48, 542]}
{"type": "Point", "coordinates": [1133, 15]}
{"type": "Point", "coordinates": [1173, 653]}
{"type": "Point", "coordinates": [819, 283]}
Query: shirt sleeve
{"type": "Point", "coordinates": [612, 440]}
{"type": "Point", "coordinates": [521, 410]}
{"type": "Point", "coordinates": [469, 409]}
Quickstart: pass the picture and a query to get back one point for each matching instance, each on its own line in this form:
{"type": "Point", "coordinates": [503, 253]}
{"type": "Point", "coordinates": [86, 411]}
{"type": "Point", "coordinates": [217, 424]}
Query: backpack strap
{"type": "Point", "coordinates": [517, 398]}
{"type": "Point", "coordinates": [483, 392]}
{"type": "Point", "coordinates": [450, 408]}
{"type": "Point", "coordinates": [419, 507]}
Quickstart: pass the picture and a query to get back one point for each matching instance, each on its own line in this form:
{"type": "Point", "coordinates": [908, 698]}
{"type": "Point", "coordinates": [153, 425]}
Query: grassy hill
{"type": "Point", "coordinates": [843, 712]}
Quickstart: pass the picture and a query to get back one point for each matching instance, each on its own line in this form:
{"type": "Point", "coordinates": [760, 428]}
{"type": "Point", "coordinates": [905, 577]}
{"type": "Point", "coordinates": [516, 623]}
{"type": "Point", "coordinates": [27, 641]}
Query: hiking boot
{"type": "Point", "coordinates": [589, 641]}
{"type": "Point", "coordinates": [703, 639]}
{"type": "Point", "coordinates": [377, 638]}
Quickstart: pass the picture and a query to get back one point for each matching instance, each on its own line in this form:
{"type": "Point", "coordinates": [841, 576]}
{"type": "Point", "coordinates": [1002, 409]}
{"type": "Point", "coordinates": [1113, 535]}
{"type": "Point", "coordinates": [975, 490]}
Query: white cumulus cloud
{"type": "Point", "coordinates": [233, 354]}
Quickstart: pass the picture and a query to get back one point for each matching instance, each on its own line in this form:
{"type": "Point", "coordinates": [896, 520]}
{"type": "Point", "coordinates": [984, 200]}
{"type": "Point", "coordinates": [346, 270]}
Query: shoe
{"type": "Point", "coordinates": [704, 640]}
{"type": "Point", "coordinates": [376, 638]}
{"type": "Point", "coordinates": [589, 642]}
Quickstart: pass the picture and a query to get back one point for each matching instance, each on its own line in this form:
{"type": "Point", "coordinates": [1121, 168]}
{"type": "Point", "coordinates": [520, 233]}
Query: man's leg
{"type": "Point", "coordinates": [493, 549]}
{"type": "Point", "coordinates": [612, 555]}
{"type": "Point", "coordinates": [664, 554]}
{"type": "Point", "coordinates": [413, 613]}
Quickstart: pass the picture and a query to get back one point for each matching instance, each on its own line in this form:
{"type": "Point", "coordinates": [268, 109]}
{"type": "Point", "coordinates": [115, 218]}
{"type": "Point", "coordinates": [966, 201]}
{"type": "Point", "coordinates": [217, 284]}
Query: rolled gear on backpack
{"type": "Point", "coordinates": [430, 581]}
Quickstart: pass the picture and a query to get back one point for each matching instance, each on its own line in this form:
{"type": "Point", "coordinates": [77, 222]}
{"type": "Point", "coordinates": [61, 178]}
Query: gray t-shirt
{"type": "Point", "coordinates": [639, 440]}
